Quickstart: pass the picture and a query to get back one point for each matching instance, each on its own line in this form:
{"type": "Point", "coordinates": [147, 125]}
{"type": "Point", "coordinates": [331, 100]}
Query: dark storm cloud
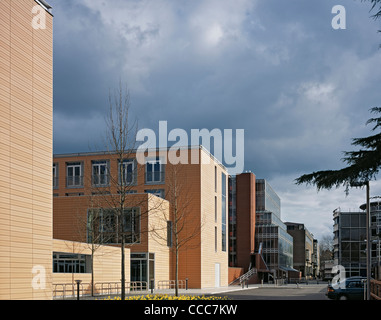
{"type": "Point", "coordinates": [299, 88]}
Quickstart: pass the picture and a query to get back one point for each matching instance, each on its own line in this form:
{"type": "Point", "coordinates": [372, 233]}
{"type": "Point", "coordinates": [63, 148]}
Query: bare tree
{"type": "Point", "coordinates": [185, 226]}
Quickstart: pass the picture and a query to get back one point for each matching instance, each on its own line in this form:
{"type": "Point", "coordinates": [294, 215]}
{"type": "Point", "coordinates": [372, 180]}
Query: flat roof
{"type": "Point", "coordinates": [45, 5]}
{"type": "Point", "coordinates": [96, 153]}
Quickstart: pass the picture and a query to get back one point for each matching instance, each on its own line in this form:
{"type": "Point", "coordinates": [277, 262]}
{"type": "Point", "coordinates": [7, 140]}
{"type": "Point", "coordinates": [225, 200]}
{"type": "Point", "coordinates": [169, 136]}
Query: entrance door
{"type": "Point", "coordinates": [217, 274]}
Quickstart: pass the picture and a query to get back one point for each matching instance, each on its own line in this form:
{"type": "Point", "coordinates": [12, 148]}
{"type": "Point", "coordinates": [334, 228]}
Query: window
{"type": "Point", "coordinates": [106, 226]}
{"type": "Point", "coordinates": [71, 263]}
{"type": "Point", "coordinates": [155, 171]}
{"type": "Point", "coordinates": [128, 172]}
{"type": "Point", "coordinates": [100, 173]}
{"type": "Point", "coordinates": [74, 174]}
{"type": "Point", "coordinates": [215, 178]}
{"type": "Point", "coordinates": [223, 211]}
{"type": "Point", "coordinates": [215, 239]}
{"type": "Point", "coordinates": [215, 209]}
{"type": "Point", "coordinates": [55, 175]}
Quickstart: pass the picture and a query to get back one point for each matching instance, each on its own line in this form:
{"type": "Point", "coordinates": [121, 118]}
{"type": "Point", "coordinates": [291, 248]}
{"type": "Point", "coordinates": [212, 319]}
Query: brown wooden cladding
{"type": "Point", "coordinates": [26, 106]}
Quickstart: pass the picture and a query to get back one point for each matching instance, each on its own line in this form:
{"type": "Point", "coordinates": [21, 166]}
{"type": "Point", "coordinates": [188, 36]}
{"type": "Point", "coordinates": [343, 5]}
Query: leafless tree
{"type": "Point", "coordinates": [185, 224]}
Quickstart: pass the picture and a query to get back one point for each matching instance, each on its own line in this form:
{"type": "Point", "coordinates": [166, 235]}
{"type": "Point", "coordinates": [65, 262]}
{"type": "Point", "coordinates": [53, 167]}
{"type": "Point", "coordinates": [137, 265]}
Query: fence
{"type": "Point", "coordinates": [171, 284]}
{"type": "Point", "coordinates": [375, 289]}
{"type": "Point", "coordinates": [69, 290]}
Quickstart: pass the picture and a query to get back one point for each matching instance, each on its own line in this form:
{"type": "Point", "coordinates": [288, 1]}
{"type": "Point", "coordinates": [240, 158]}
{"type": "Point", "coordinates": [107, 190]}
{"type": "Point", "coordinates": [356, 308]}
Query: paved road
{"type": "Point", "coordinates": [311, 292]}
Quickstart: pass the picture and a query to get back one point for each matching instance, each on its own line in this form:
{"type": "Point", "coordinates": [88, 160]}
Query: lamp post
{"type": "Point", "coordinates": [368, 244]}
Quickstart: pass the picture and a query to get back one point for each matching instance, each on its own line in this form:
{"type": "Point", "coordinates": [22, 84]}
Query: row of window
{"type": "Point", "coordinates": [101, 177]}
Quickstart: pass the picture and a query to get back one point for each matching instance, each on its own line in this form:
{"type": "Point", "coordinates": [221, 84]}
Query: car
{"type": "Point", "coordinates": [350, 289]}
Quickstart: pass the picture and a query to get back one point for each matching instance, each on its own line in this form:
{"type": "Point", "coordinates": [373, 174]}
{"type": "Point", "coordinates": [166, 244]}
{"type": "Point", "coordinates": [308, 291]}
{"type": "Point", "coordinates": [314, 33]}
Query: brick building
{"type": "Point", "coordinates": [91, 180]}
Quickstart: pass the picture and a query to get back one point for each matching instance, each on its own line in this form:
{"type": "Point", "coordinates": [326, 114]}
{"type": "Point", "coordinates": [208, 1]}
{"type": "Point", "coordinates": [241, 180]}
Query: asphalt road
{"type": "Point", "coordinates": [307, 292]}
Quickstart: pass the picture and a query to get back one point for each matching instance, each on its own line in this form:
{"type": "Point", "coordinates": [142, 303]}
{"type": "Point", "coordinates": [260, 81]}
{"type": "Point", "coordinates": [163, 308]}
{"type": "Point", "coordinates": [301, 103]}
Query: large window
{"type": "Point", "coordinates": [71, 263]}
{"type": "Point", "coordinates": [155, 171]}
{"type": "Point", "coordinates": [100, 175]}
{"type": "Point", "coordinates": [74, 175]}
{"type": "Point", "coordinates": [107, 226]}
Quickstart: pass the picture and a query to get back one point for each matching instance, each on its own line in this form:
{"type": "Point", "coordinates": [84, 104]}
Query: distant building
{"type": "Point", "coordinates": [305, 249]}
{"type": "Point", "coordinates": [349, 250]}
{"type": "Point", "coordinates": [375, 236]}
{"type": "Point", "coordinates": [271, 237]}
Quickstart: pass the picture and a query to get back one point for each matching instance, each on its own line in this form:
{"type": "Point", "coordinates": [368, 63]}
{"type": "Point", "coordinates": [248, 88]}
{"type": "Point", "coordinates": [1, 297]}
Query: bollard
{"type": "Point", "coordinates": [152, 285]}
{"type": "Point", "coordinates": [78, 283]}
{"type": "Point", "coordinates": [186, 284]}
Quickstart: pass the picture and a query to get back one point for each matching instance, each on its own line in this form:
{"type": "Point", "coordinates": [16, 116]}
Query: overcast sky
{"type": "Point", "coordinates": [299, 88]}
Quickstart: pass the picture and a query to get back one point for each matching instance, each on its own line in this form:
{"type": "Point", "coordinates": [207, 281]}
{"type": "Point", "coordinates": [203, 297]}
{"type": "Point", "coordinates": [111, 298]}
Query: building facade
{"type": "Point", "coordinates": [91, 180]}
{"type": "Point", "coordinates": [349, 250]}
{"type": "Point", "coordinates": [304, 249]}
{"type": "Point", "coordinates": [375, 236]}
{"type": "Point", "coordinates": [26, 106]}
{"type": "Point", "coordinates": [241, 220]}
{"type": "Point", "coordinates": [271, 237]}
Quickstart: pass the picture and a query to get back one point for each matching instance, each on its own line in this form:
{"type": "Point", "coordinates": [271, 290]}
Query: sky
{"type": "Point", "coordinates": [282, 71]}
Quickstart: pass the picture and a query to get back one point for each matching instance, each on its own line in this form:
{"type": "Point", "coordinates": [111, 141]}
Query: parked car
{"type": "Point", "coordinates": [352, 289]}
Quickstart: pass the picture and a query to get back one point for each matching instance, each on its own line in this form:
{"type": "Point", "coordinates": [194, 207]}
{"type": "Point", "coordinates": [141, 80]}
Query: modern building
{"type": "Point", "coordinates": [271, 237]}
{"type": "Point", "coordinates": [375, 236]}
{"type": "Point", "coordinates": [26, 107]}
{"type": "Point", "coordinates": [349, 251]}
{"type": "Point", "coordinates": [304, 249]}
{"type": "Point", "coordinates": [241, 219]}
{"type": "Point", "coordinates": [241, 224]}
{"type": "Point", "coordinates": [90, 182]}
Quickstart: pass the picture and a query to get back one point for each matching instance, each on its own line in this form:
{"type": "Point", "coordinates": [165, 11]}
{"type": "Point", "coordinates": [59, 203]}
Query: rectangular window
{"type": "Point", "coordinates": [215, 239]}
{"type": "Point", "coordinates": [155, 172]}
{"type": "Point", "coordinates": [71, 263]}
{"type": "Point", "coordinates": [215, 178]}
{"type": "Point", "coordinates": [100, 173]}
{"type": "Point", "coordinates": [55, 175]}
{"type": "Point", "coordinates": [74, 175]}
{"type": "Point", "coordinates": [223, 211]}
{"type": "Point", "coordinates": [215, 209]}
{"type": "Point", "coordinates": [128, 172]}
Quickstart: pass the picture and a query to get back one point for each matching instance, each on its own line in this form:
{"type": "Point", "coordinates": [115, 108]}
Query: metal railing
{"type": "Point", "coordinates": [245, 277]}
{"type": "Point", "coordinates": [375, 289]}
{"type": "Point", "coordinates": [69, 290]}
{"type": "Point", "coordinates": [171, 284]}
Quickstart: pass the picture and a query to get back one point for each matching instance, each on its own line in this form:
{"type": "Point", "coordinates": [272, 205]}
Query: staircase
{"type": "Point", "coordinates": [245, 277]}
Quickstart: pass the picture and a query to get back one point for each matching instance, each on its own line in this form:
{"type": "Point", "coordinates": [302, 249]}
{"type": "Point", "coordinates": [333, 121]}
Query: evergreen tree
{"type": "Point", "coordinates": [363, 165]}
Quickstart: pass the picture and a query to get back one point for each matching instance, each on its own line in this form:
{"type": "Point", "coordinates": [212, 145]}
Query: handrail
{"type": "Point", "coordinates": [67, 290]}
{"type": "Point", "coordinates": [375, 289]}
{"type": "Point", "coordinates": [171, 284]}
{"type": "Point", "coordinates": [245, 276]}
